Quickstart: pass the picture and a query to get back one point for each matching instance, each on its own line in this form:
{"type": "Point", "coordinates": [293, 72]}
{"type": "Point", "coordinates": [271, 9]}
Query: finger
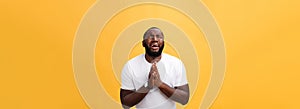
{"type": "Point", "coordinates": [151, 76]}
{"type": "Point", "coordinates": [155, 75]}
{"type": "Point", "coordinates": [152, 68]}
{"type": "Point", "coordinates": [154, 64]}
{"type": "Point", "coordinates": [153, 82]}
{"type": "Point", "coordinates": [154, 72]}
{"type": "Point", "coordinates": [155, 67]}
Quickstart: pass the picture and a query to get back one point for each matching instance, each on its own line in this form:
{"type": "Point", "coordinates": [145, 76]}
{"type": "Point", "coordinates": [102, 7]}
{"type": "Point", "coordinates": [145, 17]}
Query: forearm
{"type": "Point", "coordinates": [180, 95]}
{"type": "Point", "coordinates": [134, 97]}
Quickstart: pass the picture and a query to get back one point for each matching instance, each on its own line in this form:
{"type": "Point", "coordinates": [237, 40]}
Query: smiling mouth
{"type": "Point", "coordinates": [154, 46]}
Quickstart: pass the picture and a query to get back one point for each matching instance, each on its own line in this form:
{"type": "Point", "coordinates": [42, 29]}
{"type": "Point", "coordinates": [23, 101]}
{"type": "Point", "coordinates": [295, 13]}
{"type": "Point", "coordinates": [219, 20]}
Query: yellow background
{"type": "Point", "coordinates": [261, 39]}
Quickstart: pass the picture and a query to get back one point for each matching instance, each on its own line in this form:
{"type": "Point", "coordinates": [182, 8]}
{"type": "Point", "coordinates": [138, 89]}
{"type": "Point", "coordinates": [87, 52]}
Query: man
{"type": "Point", "coordinates": [154, 80]}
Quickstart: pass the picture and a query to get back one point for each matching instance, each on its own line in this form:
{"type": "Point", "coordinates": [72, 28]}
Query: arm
{"type": "Point", "coordinates": [130, 98]}
{"type": "Point", "coordinates": [179, 94]}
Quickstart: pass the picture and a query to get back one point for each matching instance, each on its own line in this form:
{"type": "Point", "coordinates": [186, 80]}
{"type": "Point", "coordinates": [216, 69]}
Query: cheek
{"type": "Point", "coordinates": [145, 43]}
{"type": "Point", "coordinates": [161, 43]}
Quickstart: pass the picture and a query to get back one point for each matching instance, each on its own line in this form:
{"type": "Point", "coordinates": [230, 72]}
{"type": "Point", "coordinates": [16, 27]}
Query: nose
{"type": "Point", "coordinates": [155, 38]}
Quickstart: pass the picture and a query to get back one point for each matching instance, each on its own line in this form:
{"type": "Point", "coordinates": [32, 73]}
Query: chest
{"type": "Point", "coordinates": [167, 74]}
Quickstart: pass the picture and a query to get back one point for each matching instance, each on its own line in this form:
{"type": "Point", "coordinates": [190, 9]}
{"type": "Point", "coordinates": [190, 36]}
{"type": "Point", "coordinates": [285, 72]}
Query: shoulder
{"type": "Point", "coordinates": [130, 65]}
{"type": "Point", "coordinates": [137, 58]}
{"type": "Point", "coordinates": [171, 59]}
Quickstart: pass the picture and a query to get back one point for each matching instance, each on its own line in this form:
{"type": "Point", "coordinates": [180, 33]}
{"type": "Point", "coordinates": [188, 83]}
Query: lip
{"type": "Point", "coordinates": [154, 46]}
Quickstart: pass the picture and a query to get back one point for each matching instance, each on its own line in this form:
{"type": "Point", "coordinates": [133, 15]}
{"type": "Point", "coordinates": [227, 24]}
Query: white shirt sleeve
{"type": "Point", "coordinates": [126, 77]}
{"type": "Point", "coordinates": [181, 75]}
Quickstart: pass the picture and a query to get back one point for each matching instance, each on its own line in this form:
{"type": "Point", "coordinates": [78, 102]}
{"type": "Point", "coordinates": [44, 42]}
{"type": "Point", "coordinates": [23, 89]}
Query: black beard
{"type": "Point", "coordinates": [154, 54]}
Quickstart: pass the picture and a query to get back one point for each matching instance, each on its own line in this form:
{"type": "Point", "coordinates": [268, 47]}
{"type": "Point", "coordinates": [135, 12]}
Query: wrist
{"type": "Point", "coordinates": [146, 85]}
{"type": "Point", "coordinates": [159, 83]}
{"type": "Point", "coordinates": [162, 85]}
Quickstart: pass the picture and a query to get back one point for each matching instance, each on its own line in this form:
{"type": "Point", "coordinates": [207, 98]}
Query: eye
{"type": "Point", "coordinates": [151, 36]}
{"type": "Point", "coordinates": [159, 37]}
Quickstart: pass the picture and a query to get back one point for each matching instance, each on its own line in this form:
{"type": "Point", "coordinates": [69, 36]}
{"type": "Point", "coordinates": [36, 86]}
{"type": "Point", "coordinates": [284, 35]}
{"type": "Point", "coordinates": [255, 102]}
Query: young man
{"type": "Point", "coordinates": [154, 80]}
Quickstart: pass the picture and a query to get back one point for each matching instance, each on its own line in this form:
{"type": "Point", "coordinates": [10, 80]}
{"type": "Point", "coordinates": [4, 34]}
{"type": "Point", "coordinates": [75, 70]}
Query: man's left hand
{"type": "Point", "coordinates": [156, 76]}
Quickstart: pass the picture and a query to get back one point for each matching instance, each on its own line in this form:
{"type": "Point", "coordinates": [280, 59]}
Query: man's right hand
{"type": "Point", "coordinates": [151, 80]}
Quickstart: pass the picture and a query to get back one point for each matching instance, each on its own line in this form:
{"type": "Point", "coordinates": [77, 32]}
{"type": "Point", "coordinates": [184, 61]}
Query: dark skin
{"type": "Point", "coordinates": [180, 94]}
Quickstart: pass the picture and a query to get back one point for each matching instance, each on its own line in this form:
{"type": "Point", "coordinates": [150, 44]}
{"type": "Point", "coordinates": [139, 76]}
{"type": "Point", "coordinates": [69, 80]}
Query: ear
{"type": "Point", "coordinates": [144, 43]}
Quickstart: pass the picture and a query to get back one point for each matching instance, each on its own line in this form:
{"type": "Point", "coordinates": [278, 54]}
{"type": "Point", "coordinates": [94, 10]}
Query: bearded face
{"type": "Point", "coordinates": [153, 42]}
{"type": "Point", "coordinates": [153, 49]}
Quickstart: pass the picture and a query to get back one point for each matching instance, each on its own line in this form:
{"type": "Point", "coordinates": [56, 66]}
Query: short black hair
{"type": "Point", "coordinates": [151, 29]}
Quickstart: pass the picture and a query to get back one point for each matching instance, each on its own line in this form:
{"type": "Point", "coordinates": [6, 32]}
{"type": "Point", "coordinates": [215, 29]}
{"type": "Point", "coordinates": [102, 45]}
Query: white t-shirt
{"type": "Point", "coordinates": [135, 75]}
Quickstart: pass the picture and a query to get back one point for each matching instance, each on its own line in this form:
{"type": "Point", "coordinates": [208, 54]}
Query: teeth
{"type": "Point", "coordinates": [154, 44]}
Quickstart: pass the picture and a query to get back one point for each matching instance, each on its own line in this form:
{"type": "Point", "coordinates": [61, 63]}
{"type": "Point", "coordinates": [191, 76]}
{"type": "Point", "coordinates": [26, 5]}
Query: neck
{"type": "Point", "coordinates": [151, 59]}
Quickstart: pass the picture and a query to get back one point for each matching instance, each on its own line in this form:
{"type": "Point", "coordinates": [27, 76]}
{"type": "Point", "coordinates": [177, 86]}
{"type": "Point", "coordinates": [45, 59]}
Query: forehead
{"type": "Point", "coordinates": [154, 32]}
